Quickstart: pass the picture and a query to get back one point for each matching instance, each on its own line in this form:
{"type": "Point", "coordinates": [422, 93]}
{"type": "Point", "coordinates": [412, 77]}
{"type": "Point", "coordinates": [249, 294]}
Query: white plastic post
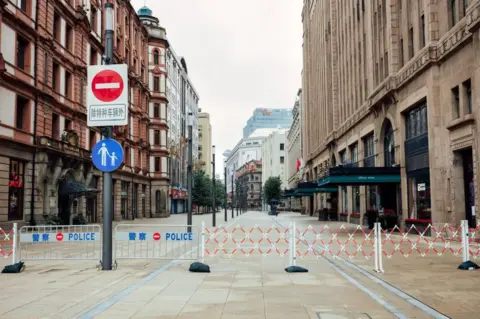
{"type": "Point", "coordinates": [14, 245]}
{"type": "Point", "coordinates": [294, 244]}
{"type": "Point", "coordinates": [202, 244]}
{"type": "Point", "coordinates": [465, 241]}
{"type": "Point", "coordinates": [379, 243]}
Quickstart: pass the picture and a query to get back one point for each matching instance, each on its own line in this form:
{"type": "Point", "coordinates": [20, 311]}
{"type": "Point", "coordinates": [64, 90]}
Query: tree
{"type": "Point", "coordinates": [201, 190]}
{"type": "Point", "coordinates": [272, 188]}
{"type": "Point", "coordinates": [219, 192]}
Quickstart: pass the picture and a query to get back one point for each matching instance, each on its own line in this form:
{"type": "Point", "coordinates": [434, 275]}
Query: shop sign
{"type": "Point", "coordinates": [15, 181]}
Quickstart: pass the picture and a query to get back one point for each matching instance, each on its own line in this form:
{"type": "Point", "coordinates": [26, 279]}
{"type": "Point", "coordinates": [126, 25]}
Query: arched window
{"type": "Point", "coordinates": [155, 57]}
{"type": "Point", "coordinates": [389, 145]}
{"type": "Point", "coordinates": [158, 199]}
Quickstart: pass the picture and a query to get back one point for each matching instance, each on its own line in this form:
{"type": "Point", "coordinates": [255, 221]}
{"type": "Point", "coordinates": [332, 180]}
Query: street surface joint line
{"type": "Point", "coordinates": [110, 302]}
{"type": "Point", "coordinates": [370, 293]}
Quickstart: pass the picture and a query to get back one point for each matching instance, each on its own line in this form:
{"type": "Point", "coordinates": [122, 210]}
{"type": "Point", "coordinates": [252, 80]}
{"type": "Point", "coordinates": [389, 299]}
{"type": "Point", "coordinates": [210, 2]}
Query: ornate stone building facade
{"type": "Point", "coordinates": [45, 145]}
{"type": "Point", "coordinates": [390, 93]}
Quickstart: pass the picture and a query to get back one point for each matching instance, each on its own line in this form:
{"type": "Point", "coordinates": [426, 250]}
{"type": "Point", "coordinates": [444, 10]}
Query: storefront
{"type": "Point", "coordinates": [417, 166]}
{"type": "Point", "coordinates": [16, 190]}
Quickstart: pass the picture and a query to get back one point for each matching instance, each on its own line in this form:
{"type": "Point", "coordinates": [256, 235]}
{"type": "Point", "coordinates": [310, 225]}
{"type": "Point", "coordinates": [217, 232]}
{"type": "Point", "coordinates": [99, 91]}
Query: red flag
{"type": "Point", "coordinates": [298, 164]}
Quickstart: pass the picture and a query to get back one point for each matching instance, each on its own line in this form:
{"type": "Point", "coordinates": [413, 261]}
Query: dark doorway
{"type": "Point", "coordinates": [467, 160]}
{"type": "Point", "coordinates": [64, 200]}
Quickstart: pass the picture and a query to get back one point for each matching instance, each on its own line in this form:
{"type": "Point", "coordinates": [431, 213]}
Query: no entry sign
{"type": "Point", "coordinates": [156, 236]}
{"type": "Point", "coordinates": [107, 95]}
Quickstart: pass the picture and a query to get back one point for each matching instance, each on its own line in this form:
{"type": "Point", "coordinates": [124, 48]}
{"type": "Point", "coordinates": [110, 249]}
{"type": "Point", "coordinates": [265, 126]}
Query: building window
{"type": "Point", "coordinates": [157, 164]}
{"type": "Point", "coordinates": [15, 190]}
{"type": "Point", "coordinates": [456, 102]}
{"type": "Point", "coordinates": [22, 53]}
{"type": "Point", "coordinates": [422, 31]}
{"type": "Point", "coordinates": [389, 146]}
{"type": "Point", "coordinates": [67, 124]}
{"type": "Point", "coordinates": [411, 47]}
{"type": "Point", "coordinates": [468, 91]}
{"type": "Point", "coordinates": [127, 156]}
{"type": "Point", "coordinates": [282, 146]}
{"type": "Point", "coordinates": [155, 57]}
{"type": "Point", "coordinates": [156, 137]}
{"type": "Point", "coordinates": [55, 76]}
{"type": "Point", "coordinates": [453, 12]}
{"type": "Point", "coordinates": [354, 153]}
{"type": "Point", "coordinates": [343, 157]}
{"type": "Point", "coordinates": [93, 139]}
{"type": "Point", "coordinates": [93, 56]}
{"type": "Point", "coordinates": [402, 62]}
{"type": "Point", "coordinates": [93, 18]}
{"type": "Point", "coordinates": [356, 199]}
{"type": "Point", "coordinates": [158, 199]}
{"type": "Point", "coordinates": [69, 38]}
{"type": "Point", "coordinates": [156, 84]}
{"type": "Point", "coordinates": [57, 27]}
{"type": "Point", "coordinates": [369, 151]}
{"type": "Point", "coordinates": [282, 159]}
{"type": "Point", "coordinates": [55, 126]}
{"type": "Point", "coordinates": [68, 84]}
{"type": "Point", "coordinates": [23, 5]}
{"type": "Point", "coordinates": [417, 121]}
{"type": "Point", "coordinates": [21, 113]}
{"type": "Point", "coordinates": [344, 199]}
{"type": "Point", "coordinates": [156, 110]}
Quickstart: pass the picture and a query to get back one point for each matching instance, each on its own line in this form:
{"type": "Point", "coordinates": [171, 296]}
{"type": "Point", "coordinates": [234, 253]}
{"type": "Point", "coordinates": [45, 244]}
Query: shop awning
{"type": "Point", "coordinates": [74, 189]}
{"type": "Point", "coordinates": [352, 176]}
{"type": "Point", "coordinates": [308, 189]}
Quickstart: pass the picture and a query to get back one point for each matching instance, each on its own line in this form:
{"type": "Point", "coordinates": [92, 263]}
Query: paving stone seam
{"type": "Point", "coordinates": [391, 288]}
{"type": "Point", "coordinates": [392, 309]}
{"type": "Point", "coordinates": [110, 302]}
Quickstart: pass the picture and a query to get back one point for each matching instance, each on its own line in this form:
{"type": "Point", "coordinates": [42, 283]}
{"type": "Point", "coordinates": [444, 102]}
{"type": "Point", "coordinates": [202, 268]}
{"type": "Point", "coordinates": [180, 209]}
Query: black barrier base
{"type": "Point", "coordinates": [14, 269]}
{"type": "Point", "coordinates": [199, 267]}
{"type": "Point", "coordinates": [296, 269]}
{"type": "Point", "coordinates": [468, 265]}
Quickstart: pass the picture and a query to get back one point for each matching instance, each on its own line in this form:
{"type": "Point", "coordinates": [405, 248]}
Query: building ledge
{"type": "Point", "coordinates": [465, 120]}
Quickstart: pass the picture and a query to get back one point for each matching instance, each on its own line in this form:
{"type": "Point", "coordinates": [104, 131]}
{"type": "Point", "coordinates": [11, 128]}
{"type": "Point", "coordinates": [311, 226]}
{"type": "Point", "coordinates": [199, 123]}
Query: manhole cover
{"type": "Point", "coordinates": [342, 315]}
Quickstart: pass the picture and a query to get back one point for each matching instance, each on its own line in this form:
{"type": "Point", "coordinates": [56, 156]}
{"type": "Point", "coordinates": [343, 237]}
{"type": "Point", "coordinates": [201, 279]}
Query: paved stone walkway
{"type": "Point", "coordinates": [239, 286]}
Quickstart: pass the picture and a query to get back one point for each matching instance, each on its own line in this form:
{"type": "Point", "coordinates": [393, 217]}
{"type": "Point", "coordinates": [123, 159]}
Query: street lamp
{"type": "Point", "coordinates": [225, 186]}
{"type": "Point", "coordinates": [107, 238]}
{"type": "Point", "coordinates": [233, 196]}
{"type": "Point", "coordinates": [189, 173]}
{"type": "Point", "coordinates": [213, 187]}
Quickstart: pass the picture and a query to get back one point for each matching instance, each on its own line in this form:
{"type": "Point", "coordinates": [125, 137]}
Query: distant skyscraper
{"type": "Point", "coordinates": [268, 118]}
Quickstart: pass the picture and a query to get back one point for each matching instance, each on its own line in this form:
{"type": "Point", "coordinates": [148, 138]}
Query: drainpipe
{"type": "Point", "coordinates": [32, 197]}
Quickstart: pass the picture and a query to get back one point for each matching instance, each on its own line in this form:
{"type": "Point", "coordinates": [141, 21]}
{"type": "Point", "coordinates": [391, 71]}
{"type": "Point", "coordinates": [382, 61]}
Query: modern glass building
{"type": "Point", "coordinates": [268, 118]}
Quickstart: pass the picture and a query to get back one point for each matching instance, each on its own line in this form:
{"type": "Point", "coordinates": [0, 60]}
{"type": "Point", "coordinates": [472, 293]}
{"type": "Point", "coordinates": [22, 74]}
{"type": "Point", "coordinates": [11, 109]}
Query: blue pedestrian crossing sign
{"type": "Point", "coordinates": [107, 155]}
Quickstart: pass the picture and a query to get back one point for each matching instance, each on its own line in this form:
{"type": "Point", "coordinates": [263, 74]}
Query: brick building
{"type": "Point", "coordinates": [45, 48]}
{"type": "Point", "coordinates": [389, 92]}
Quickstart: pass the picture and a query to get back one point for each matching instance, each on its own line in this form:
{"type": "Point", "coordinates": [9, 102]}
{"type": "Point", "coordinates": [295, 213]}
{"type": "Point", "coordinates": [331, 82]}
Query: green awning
{"type": "Point", "coordinates": [310, 191]}
{"type": "Point", "coordinates": [358, 180]}
{"type": "Point", "coordinates": [74, 189]}
{"type": "Point", "coordinates": [356, 176]}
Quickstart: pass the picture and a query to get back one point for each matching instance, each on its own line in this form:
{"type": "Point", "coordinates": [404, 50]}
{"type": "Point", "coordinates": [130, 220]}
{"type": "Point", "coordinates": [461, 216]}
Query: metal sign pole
{"type": "Point", "coordinates": [107, 190]}
{"type": "Point", "coordinates": [233, 197]}
{"type": "Point", "coordinates": [214, 216]}
{"type": "Point", "coordinates": [189, 173]}
{"type": "Point", "coordinates": [225, 186]}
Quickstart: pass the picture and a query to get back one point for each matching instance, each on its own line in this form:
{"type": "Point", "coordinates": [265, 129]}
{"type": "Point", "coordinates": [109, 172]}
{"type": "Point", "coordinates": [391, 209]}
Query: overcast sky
{"type": "Point", "coordinates": [240, 55]}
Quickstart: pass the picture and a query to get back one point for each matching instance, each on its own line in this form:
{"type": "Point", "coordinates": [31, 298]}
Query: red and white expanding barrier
{"type": "Point", "coordinates": [344, 241]}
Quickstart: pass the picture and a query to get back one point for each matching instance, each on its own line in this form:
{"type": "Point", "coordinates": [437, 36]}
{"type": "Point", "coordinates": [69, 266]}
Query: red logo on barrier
{"type": "Point", "coordinates": [156, 236]}
{"type": "Point", "coordinates": [59, 237]}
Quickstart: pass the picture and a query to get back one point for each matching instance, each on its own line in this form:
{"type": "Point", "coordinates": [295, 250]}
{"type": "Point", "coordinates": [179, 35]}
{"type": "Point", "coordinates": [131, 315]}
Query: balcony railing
{"type": "Point", "coordinates": [46, 142]}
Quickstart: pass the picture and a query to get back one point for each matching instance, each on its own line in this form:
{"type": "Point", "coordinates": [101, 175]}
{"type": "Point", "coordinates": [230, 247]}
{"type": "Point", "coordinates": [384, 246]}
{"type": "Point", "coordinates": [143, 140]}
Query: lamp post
{"type": "Point", "coordinates": [225, 187]}
{"type": "Point", "coordinates": [232, 198]}
{"type": "Point", "coordinates": [213, 188]}
{"type": "Point", "coordinates": [107, 238]}
{"type": "Point", "coordinates": [189, 173]}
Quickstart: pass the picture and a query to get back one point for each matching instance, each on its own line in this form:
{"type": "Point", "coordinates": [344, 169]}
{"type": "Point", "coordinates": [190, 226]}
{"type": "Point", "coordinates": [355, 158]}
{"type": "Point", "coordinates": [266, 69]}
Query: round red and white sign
{"type": "Point", "coordinates": [156, 236]}
{"type": "Point", "coordinates": [107, 85]}
{"type": "Point", "coordinates": [59, 236]}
